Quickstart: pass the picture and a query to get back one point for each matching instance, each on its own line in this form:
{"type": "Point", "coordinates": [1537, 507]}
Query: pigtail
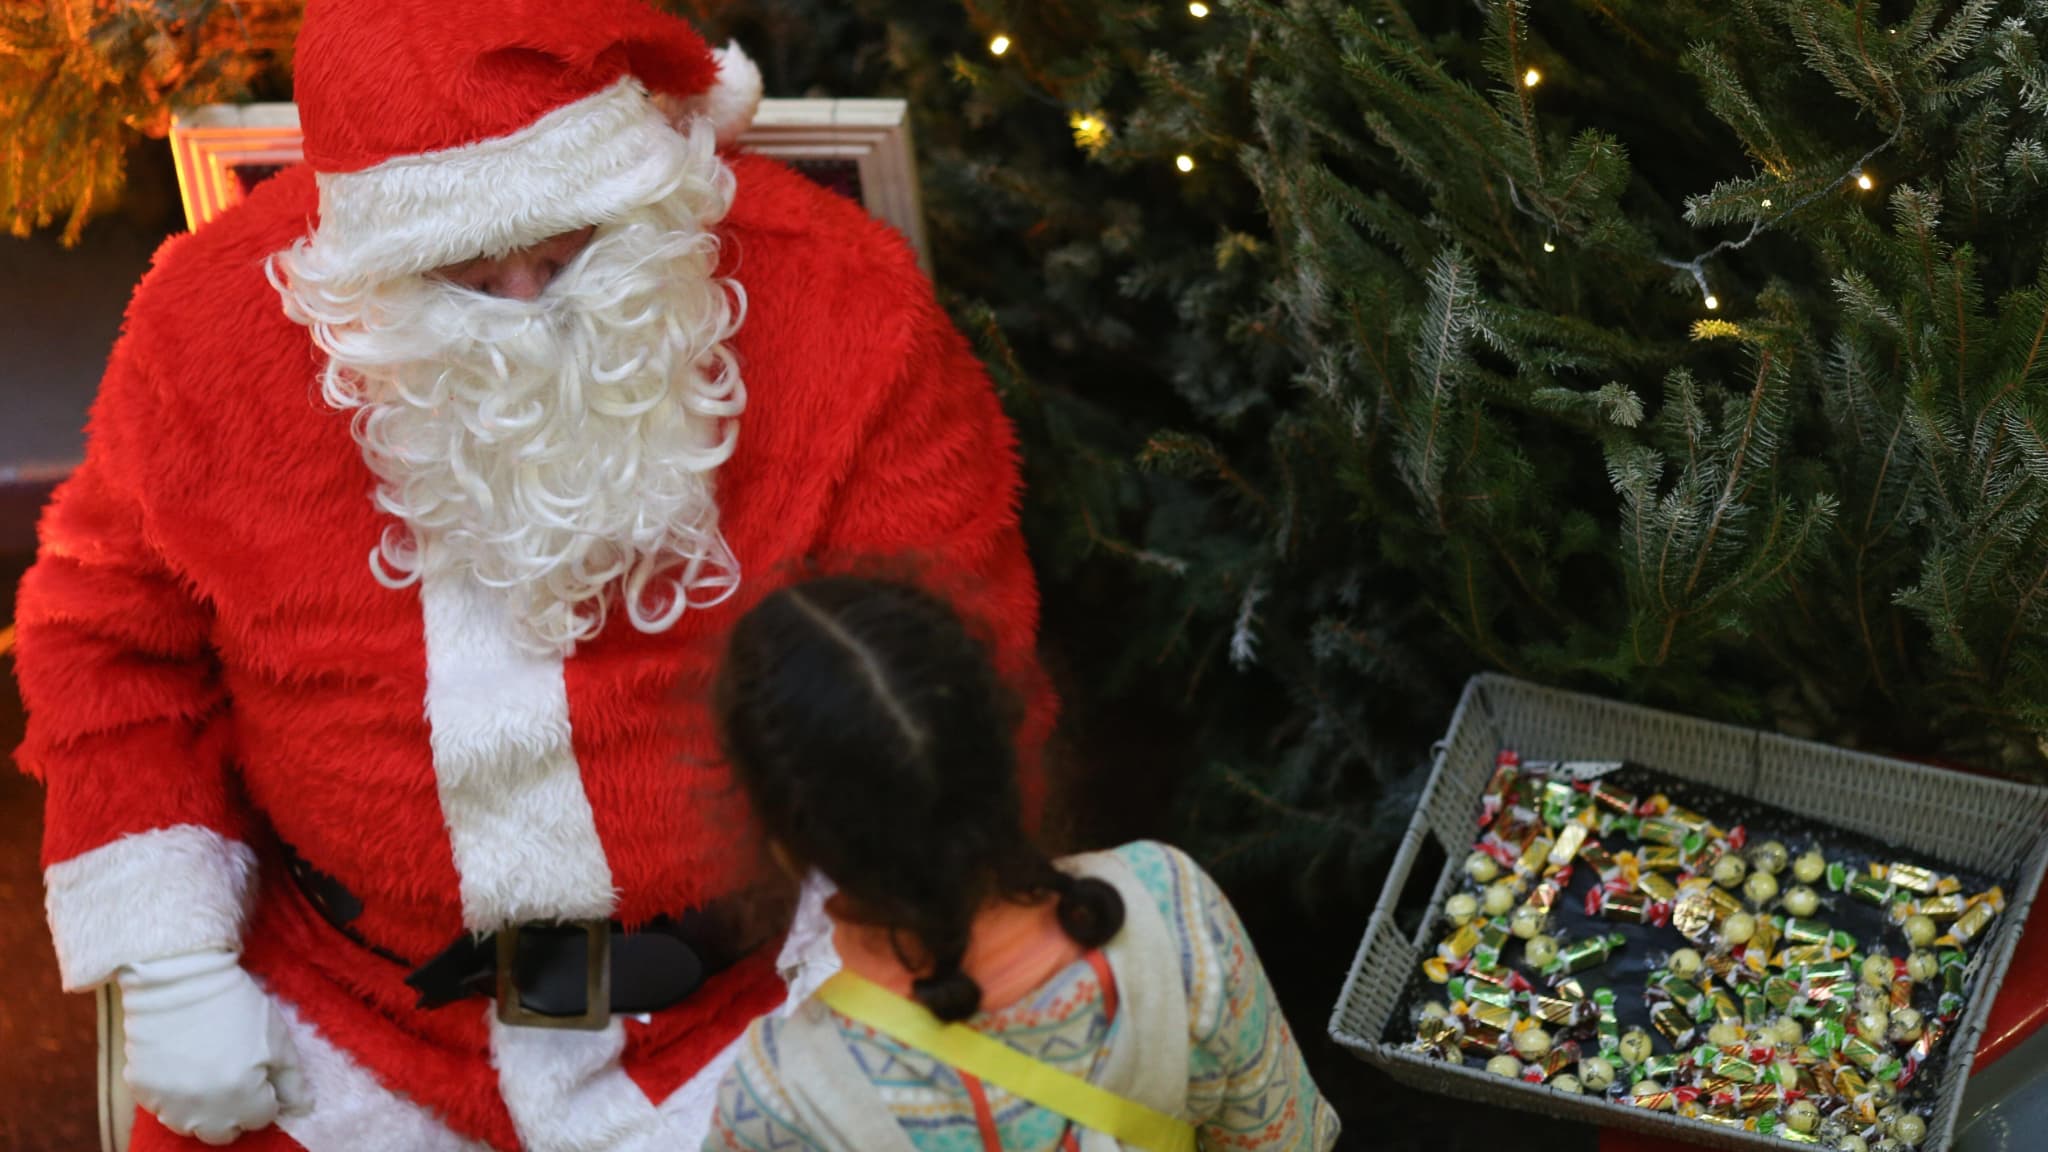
{"type": "Point", "coordinates": [1091, 912]}
{"type": "Point", "coordinates": [948, 993]}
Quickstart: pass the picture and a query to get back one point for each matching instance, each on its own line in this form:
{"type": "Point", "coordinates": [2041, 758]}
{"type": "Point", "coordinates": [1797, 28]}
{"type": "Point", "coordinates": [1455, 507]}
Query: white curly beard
{"type": "Point", "coordinates": [560, 450]}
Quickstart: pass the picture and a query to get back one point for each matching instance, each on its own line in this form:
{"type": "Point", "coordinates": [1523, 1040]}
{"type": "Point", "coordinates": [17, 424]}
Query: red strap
{"type": "Point", "coordinates": [1107, 975]}
{"type": "Point", "coordinates": [984, 1116]}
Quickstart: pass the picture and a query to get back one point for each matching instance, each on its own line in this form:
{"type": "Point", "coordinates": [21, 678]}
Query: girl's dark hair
{"type": "Point", "coordinates": [877, 743]}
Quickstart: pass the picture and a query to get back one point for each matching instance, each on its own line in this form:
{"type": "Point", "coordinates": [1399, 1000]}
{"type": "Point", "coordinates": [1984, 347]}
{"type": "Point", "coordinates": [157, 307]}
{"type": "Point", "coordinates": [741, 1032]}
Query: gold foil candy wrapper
{"type": "Point", "coordinates": [1726, 1009]}
{"type": "Point", "coordinates": [1657, 886]}
{"type": "Point", "coordinates": [1802, 954]}
{"type": "Point", "coordinates": [1693, 915]}
{"type": "Point", "coordinates": [1628, 907]}
{"type": "Point", "coordinates": [1975, 919]}
{"type": "Point", "coordinates": [1436, 970]}
{"type": "Point", "coordinates": [1482, 1039]}
{"type": "Point", "coordinates": [1766, 938]}
{"type": "Point", "coordinates": [1680, 991]}
{"type": "Point", "coordinates": [1498, 1017]}
{"type": "Point", "coordinates": [1562, 1058]}
{"type": "Point", "coordinates": [1662, 1101]}
{"type": "Point", "coordinates": [1672, 1023]}
{"type": "Point", "coordinates": [1554, 1010]}
{"type": "Point", "coordinates": [1570, 989]}
{"type": "Point", "coordinates": [1691, 821]}
{"type": "Point", "coordinates": [1543, 897]}
{"type": "Point", "coordinates": [1657, 830]}
{"type": "Point", "coordinates": [1660, 858]}
{"type": "Point", "coordinates": [1534, 855]}
{"type": "Point", "coordinates": [1569, 841]}
{"type": "Point", "coordinates": [1459, 944]}
{"type": "Point", "coordinates": [1911, 877]}
{"type": "Point", "coordinates": [1614, 799]}
{"type": "Point", "coordinates": [1440, 1034]}
{"type": "Point", "coordinates": [1943, 909]}
{"type": "Point", "coordinates": [1598, 858]}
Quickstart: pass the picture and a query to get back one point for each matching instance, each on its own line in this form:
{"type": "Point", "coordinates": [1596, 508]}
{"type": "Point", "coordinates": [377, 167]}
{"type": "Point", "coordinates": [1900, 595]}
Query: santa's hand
{"type": "Point", "coordinates": [208, 1054]}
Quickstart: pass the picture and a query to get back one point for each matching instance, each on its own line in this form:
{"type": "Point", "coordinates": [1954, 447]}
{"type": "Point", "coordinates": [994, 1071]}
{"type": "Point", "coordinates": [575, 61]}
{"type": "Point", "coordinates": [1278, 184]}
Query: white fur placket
{"type": "Point", "coordinates": [523, 833]}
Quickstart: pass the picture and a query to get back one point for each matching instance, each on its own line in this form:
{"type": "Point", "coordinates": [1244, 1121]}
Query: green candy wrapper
{"type": "Point", "coordinates": [1580, 955]}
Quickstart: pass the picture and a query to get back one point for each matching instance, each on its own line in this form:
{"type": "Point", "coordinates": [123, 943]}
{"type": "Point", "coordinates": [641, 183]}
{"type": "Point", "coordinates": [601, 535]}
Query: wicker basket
{"type": "Point", "coordinates": [1998, 828]}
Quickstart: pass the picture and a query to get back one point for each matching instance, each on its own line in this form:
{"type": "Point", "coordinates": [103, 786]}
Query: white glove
{"type": "Point", "coordinates": [207, 1050]}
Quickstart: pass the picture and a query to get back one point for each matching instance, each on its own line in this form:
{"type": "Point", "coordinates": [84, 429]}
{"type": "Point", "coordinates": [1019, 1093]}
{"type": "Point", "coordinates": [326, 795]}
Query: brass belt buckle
{"type": "Point", "coordinates": [597, 981]}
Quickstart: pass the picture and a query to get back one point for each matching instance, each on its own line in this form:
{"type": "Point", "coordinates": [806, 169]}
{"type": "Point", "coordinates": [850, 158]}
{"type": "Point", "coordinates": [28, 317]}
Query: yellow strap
{"type": "Point", "coordinates": [963, 1048]}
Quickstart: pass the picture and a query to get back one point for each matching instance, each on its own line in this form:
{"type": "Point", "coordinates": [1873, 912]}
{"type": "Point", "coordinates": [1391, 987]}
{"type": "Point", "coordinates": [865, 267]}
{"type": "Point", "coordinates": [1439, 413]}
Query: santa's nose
{"type": "Point", "coordinates": [522, 277]}
{"type": "Point", "coordinates": [522, 274]}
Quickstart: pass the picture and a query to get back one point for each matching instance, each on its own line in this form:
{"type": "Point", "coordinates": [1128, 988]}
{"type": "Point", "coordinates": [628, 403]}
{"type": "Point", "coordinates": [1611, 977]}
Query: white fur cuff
{"type": "Point", "coordinates": [144, 897]}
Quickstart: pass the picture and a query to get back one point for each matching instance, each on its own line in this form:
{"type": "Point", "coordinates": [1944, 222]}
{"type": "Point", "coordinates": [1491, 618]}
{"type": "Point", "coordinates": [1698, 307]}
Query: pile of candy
{"type": "Point", "coordinates": [1771, 1020]}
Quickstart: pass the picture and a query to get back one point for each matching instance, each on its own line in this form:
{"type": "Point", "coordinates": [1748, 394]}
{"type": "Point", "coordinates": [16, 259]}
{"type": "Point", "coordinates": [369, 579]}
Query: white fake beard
{"type": "Point", "coordinates": [558, 448]}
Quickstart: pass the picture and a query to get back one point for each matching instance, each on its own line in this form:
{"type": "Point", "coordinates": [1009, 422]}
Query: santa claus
{"type": "Point", "coordinates": [365, 654]}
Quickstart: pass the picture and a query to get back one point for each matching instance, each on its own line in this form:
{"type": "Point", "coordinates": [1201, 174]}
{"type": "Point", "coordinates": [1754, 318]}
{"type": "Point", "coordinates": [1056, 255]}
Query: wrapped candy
{"type": "Point", "coordinates": [1974, 919]}
{"type": "Point", "coordinates": [1580, 955]}
{"type": "Point", "coordinates": [1613, 799]}
{"type": "Point", "coordinates": [1506, 770]}
{"type": "Point", "coordinates": [1762, 1016]}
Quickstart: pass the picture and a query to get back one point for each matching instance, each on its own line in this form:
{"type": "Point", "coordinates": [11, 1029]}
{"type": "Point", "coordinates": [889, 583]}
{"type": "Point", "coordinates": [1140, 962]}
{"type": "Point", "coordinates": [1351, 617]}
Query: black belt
{"type": "Point", "coordinates": [556, 975]}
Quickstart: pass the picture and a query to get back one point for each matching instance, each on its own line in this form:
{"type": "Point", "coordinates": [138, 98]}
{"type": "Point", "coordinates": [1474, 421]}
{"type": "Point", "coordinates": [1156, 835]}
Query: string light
{"type": "Point", "coordinates": [1549, 247]}
{"type": "Point", "coordinates": [1864, 181]}
{"type": "Point", "coordinates": [1198, 9]}
{"type": "Point", "coordinates": [1091, 131]}
{"type": "Point", "coordinates": [1767, 201]}
{"type": "Point", "coordinates": [999, 45]}
{"type": "Point", "coordinates": [1713, 302]}
{"type": "Point", "coordinates": [1531, 78]}
{"type": "Point", "coordinates": [1184, 162]}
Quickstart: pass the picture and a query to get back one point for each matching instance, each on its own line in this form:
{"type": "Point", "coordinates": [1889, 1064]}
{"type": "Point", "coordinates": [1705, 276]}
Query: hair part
{"type": "Point", "coordinates": [876, 741]}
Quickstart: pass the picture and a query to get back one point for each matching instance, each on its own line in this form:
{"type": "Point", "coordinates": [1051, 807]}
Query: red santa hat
{"type": "Point", "coordinates": [443, 129]}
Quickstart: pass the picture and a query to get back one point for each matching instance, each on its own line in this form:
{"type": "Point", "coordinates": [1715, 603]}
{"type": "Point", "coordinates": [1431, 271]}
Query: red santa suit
{"type": "Point", "coordinates": [211, 672]}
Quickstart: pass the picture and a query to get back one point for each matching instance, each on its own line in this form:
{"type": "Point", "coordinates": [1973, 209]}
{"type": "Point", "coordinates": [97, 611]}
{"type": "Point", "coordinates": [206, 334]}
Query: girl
{"type": "Point", "coordinates": [876, 744]}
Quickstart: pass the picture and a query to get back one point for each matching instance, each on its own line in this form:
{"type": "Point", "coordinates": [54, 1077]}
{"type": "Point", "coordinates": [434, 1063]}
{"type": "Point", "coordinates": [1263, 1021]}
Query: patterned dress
{"type": "Point", "coordinates": [1248, 1087]}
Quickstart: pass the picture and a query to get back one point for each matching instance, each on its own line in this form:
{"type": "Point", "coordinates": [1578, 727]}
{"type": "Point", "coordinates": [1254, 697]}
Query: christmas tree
{"type": "Point", "coordinates": [1683, 351]}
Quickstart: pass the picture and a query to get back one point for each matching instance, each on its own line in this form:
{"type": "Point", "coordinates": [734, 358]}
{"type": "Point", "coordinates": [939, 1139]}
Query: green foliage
{"type": "Point", "coordinates": [80, 78]}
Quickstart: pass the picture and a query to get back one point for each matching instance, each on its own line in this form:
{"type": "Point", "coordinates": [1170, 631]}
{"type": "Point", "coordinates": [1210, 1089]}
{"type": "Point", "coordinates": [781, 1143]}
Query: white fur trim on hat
{"type": "Point", "coordinates": [581, 164]}
{"type": "Point", "coordinates": [144, 897]}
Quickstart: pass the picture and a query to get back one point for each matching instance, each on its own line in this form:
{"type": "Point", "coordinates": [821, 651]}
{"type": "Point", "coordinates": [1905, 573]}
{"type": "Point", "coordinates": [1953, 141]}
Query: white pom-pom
{"type": "Point", "coordinates": [735, 96]}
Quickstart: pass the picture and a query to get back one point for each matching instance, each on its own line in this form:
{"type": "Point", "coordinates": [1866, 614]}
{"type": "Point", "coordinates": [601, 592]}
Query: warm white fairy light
{"type": "Point", "coordinates": [999, 45]}
{"type": "Point", "coordinates": [1184, 162]}
{"type": "Point", "coordinates": [1531, 78]}
{"type": "Point", "coordinates": [1198, 9]}
{"type": "Point", "coordinates": [1713, 302]}
{"type": "Point", "coordinates": [1767, 201]}
{"type": "Point", "coordinates": [1864, 181]}
{"type": "Point", "coordinates": [1549, 247]}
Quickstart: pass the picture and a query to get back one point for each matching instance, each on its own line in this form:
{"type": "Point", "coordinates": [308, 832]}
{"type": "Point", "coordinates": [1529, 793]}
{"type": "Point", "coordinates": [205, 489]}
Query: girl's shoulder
{"type": "Point", "coordinates": [755, 1110]}
{"type": "Point", "coordinates": [1170, 876]}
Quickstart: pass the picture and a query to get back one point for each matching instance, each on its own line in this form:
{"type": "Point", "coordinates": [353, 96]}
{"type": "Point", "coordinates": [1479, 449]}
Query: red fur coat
{"type": "Point", "coordinates": [209, 667]}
